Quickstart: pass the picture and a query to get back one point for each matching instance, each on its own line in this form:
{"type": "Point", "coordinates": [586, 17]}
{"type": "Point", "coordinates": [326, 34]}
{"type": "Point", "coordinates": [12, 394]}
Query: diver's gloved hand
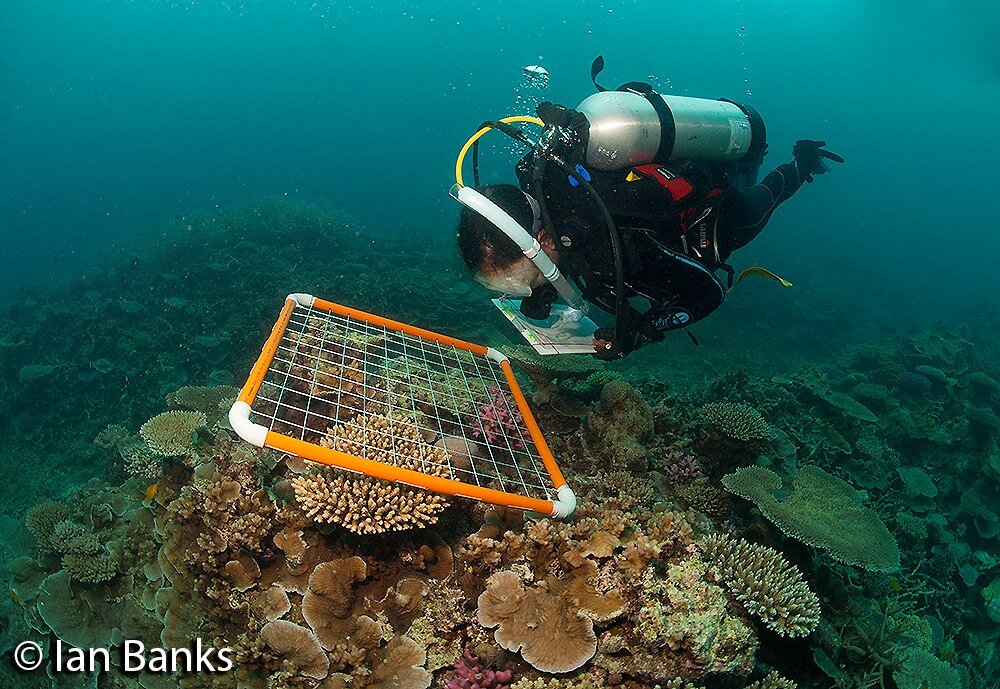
{"type": "Point", "coordinates": [811, 159]}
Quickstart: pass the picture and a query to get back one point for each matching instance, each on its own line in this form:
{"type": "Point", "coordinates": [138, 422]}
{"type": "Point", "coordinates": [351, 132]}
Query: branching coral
{"type": "Point", "coordinates": [170, 434]}
{"type": "Point", "coordinates": [737, 421]}
{"type": "Point", "coordinates": [822, 511]}
{"type": "Point", "coordinates": [42, 520]}
{"type": "Point", "coordinates": [367, 505]}
{"type": "Point", "coordinates": [470, 673]}
{"type": "Point", "coordinates": [680, 468]}
{"type": "Point", "coordinates": [765, 584]}
{"type": "Point", "coordinates": [500, 419]}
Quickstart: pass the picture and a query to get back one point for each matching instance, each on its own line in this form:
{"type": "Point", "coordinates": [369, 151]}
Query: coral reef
{"type": "Point", "coordinates": [822, 511]}
{"type": "Point", "coordinates": [470, 673]}
{"type": "Point", "coordinates": [873, 451]}
{"type": "Point", "coordinates": [367, 505]}
{"type": "Point", "coordinates": [765, 584]}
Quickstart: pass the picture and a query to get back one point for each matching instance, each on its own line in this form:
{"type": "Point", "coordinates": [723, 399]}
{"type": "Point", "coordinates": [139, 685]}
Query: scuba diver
{"type": "Point", "coordinates": [639, 198]}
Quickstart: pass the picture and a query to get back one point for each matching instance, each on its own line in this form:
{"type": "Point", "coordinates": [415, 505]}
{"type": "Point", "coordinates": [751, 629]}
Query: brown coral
{"type": "Point", "coordinates": [765, 584]}
{"type": "Point", "coordinates": [297, 647]}
{"type": "Point", "coordinates": [365, 505]}
{"type": "Point", "coordinates": [549, 633]}
{"type": "Point", "coordinates": [330, 600]}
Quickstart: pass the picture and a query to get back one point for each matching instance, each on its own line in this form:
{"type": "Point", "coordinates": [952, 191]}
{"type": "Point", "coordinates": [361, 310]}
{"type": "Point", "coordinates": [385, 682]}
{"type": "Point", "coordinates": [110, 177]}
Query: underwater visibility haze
{"type": "Point", "coordinates": [804, 493]}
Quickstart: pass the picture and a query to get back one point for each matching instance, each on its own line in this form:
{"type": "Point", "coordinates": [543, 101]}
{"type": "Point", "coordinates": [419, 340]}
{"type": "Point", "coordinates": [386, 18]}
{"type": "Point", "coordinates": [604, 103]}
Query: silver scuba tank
{"type": "Point", "coordinates": [628, 129]}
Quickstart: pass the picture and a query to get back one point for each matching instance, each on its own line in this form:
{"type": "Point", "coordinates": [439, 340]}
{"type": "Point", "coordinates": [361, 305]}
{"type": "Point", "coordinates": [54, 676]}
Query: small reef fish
{"type": "Point", "coordinates": [14, 597]}
{"type": "Point", "coordinates": [149, 494]}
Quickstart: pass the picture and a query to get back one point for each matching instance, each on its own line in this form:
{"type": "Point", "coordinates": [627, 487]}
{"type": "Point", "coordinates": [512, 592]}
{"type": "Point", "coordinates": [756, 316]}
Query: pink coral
{"type": "Point", "coordinates": [470, 674]}
{"type": "Point", "coordinates": [680, 469]}
{"type": "Point", "coordinates": [499, 418]}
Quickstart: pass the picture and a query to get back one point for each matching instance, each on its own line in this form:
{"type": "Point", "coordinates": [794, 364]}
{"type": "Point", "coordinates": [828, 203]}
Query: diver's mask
{"type": "Point", "coordinates": [527, 241]}
{"type": "Point", "coordinates": [516, 280]}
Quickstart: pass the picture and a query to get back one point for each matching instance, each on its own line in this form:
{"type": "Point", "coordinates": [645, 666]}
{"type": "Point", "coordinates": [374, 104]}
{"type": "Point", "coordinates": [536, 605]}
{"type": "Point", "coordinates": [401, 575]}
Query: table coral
{"type": "Point", "coordinates": [765, 584]}
{"type": "Point", "coordinates": [822, 511]}
{"type": "Point", "coordinates": [171, 433]}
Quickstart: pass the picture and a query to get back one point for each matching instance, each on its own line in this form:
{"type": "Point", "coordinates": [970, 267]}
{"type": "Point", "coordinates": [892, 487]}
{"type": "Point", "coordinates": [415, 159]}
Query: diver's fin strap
{"type": "Point", "coordinates": [759, 272]}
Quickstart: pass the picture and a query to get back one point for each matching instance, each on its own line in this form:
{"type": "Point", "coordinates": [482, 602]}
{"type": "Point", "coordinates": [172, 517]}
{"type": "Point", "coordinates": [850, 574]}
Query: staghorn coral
{"type": "Point", "coordinates": [548, 630]}
{"type": "Point", "coordinates": [365, 505]}
{"type": "Point", "coordinates": [765, 584]}
{"type": "Point", "coordinates": [737, 421]}
{"type": "Point", "coordinates": [822, 511]}
{"type": "Point", "coordinates": [170, 434]}
{"type": "Point", "coordinates": [470, 673]}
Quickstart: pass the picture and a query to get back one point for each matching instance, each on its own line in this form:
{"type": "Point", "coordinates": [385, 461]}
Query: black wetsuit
{"type": "Point", "coordinates": [678, 223]}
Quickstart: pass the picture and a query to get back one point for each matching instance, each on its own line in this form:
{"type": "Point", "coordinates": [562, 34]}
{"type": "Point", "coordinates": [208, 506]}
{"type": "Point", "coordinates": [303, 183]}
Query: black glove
{"type": "Point", "coordinates": [810, 159]}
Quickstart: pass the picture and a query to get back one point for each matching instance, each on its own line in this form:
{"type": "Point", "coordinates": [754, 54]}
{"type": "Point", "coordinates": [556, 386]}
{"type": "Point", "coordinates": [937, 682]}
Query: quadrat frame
{"type": "Point", "coordinates": [327, 370]}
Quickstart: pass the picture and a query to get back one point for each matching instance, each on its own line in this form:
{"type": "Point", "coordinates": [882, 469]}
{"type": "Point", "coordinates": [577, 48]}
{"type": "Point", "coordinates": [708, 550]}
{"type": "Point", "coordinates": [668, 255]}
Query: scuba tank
{"type": "Point", "coordinates": [635, 125]}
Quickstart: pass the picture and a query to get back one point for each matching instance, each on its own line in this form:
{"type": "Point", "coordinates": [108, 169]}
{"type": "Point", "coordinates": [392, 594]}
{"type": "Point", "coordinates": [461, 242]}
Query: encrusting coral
{"type": "Point", "coordinates": [822, 511]}
{"type": "Point", "coordinates": [765, 584]}
{"type": "Point", "coordinates": [365, 505]}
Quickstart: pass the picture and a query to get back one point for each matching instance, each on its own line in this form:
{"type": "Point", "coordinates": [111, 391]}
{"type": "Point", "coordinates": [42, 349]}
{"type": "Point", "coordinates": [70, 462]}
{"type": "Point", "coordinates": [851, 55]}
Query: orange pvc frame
{"type": "Point", "coordinates": [332, 457]}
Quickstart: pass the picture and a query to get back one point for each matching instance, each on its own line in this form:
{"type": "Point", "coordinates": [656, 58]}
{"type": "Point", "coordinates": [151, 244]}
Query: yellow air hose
{"type": "Point", "coordinates": [478, 135]}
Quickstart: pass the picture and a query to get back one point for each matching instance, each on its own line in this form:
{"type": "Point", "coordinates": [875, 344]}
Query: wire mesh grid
{"type": "Point", "coordinates": [389, 396]}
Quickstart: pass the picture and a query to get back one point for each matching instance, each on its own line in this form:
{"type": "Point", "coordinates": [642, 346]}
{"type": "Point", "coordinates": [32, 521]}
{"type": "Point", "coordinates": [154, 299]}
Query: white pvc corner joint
{"type": "Point", "coordinates": [496, 355]}
{"type": "Point", "coordinates": [239, 419]}
{"type": "Point", "coordinates": [302, 299]}
{"type": "Point", "coordinates": [566, 503]}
